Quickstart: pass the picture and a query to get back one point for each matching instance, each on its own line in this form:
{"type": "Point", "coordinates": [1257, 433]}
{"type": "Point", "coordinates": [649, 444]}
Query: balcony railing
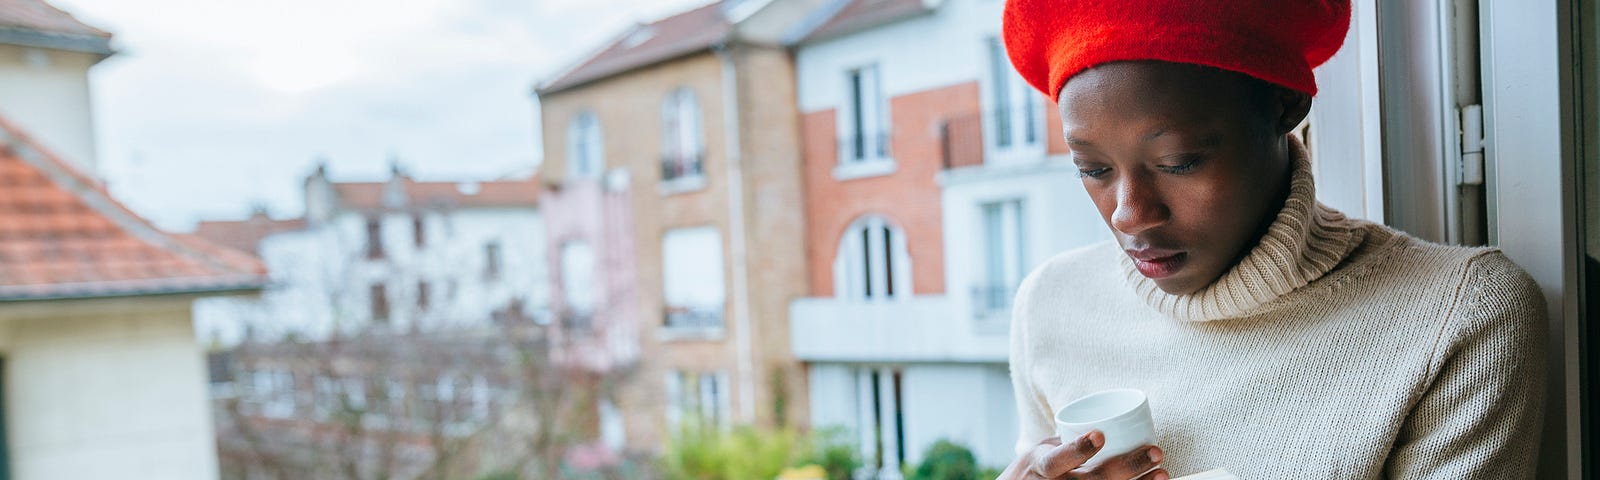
{"type": "Point", "coordinates": [965, 142]}
{"type": "Point", "coordinates": [860, 148]}
{"type": "Point", "coordinates": [675, 166]}
{"type": "Point", "coordinates": [693, 317]}
{"type": "Point", "coordinates": [991, 300]}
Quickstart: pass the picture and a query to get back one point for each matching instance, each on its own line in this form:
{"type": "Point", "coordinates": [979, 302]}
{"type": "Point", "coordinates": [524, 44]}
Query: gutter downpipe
{"type": "Point", "coordinates": [736, 225]}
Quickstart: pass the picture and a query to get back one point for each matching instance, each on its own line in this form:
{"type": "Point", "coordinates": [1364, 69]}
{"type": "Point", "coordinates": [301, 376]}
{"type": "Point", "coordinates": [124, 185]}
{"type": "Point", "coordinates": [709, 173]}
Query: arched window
{"type": "Point", "coordinates": [682, 138]}
{"type": "Point", "coordinates": [872, 262]}
{"type": "Point", "coordinates": [585, 150]}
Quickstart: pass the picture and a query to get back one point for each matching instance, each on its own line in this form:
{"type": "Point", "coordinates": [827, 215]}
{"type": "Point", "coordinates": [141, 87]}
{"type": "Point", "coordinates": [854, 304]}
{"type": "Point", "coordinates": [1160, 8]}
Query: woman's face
{"type": "Point", "coordinates": [1188, 165]}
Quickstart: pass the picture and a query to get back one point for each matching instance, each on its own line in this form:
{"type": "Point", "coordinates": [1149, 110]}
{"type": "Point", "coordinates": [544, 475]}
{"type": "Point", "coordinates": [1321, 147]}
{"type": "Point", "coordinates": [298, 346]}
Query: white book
{"type": "Point", "coordinates": [1218, 474]}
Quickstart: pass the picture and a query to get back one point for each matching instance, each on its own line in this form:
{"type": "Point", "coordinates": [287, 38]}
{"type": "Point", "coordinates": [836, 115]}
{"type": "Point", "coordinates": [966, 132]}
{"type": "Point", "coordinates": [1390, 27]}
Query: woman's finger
{"type": "Point", "coordinates": [1069, 455]}
{"type": "Point", "coordinates": [1128, 465]}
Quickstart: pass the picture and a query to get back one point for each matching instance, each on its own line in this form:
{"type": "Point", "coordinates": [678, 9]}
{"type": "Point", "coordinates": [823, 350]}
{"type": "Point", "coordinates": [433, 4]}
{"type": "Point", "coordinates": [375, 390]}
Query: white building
{"type": "Point", "coordinates": [100, 372]}
{"type": "Point", "coordinates": [969, 152]}
{"type": "Point", "coordinates": [397, 255]}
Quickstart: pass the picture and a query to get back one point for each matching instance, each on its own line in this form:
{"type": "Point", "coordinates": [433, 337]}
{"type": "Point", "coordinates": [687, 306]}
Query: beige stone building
{"type": "Point", "coordinates": [692, 120]}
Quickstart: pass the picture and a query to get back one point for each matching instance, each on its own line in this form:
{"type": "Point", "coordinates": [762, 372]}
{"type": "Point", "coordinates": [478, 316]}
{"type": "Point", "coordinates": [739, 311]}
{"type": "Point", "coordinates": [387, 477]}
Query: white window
{"type": "Point", "coordinates": [692, 277]}
{"type": "Point", "coordinates": [682, 144]}
{"type": "Point", "coordinates": [578, 282]}
{"type": "Point", "coordinates": [864, 121]}
{"type": "Point", "coordinates": [697, 396]}
{"type": "Point", "coordinates": [1003, 259]}
{"type": "Point", "coordinates": [585, 150]}
{"type": "Point", "coordinates": [1014, 112]}
{"type": "Point", "coordinates": [880, 410]}
{"type": "Point", "coordinates": [872, 261]}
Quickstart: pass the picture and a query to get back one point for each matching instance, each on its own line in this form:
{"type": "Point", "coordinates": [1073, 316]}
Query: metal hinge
{"type": "Point", "coordinates": [1471, 145]}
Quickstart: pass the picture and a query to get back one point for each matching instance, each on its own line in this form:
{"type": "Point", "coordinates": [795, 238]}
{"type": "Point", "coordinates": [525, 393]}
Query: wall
{"type": "Point", "coordinates": [47, 93]}
{"type": "Point", "coordinates": [117, 391]}
{"type": "Point", "coordinates": [628, 108]}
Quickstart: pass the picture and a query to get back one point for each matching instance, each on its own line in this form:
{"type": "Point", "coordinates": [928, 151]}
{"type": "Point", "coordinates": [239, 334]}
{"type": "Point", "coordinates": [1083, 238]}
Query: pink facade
{"type": "Point", "coordinates": [585, 211]}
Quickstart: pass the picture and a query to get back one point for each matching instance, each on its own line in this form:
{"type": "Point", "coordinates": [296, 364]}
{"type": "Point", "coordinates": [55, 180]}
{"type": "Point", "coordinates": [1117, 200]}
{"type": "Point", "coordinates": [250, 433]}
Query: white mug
{"type": "Point", "coordinates": [1122, 414]}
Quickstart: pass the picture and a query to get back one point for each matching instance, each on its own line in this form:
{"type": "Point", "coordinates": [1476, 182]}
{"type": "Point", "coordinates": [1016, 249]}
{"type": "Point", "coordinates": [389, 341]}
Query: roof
{"type": "Point", "coordinates": [63, 236]}
{"type": "Point", "coordinates": [852, 16]}
{"type": "Point", "coordinates": [35, 23]}
{"type": "Point", "coordinates": [498, 193]}
{"type": "Point", "coordinates": [670, 38]}
{"type": "Point", "coordinates": [245, 235]}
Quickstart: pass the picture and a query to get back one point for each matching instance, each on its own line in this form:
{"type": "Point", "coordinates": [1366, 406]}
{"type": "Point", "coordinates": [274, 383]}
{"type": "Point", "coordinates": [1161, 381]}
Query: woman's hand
{"type": "Point", "coordinates": [1051, 460]}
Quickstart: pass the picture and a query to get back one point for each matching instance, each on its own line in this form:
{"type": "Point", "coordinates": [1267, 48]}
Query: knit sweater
{"type": "Point", "coordinates": [1336, 348]}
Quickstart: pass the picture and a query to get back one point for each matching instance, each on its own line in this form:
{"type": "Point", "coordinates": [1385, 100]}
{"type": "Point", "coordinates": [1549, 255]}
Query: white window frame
{"type": "Point", "coordinates": [1013, 113]}
{"type": "Point", "coordinates": [675, 290]}
{"type": "Point", "coordinates": [873, 130]}
{"type": "Point", "coordinates": [585, 147]}
{"type": "Point", "coordinates": [682, 141]}
{"type": "Point", "coordinates": [872, 266]}
{"type": "Point", "coordinates": [1010, 232]}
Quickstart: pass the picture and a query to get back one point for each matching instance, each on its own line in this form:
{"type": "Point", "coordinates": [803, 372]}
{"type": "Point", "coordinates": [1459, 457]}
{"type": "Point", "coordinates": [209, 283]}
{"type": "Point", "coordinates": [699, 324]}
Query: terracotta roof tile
{"type": "Point", "coordinates": [498, 193]}
{"type": "Point", "coordinates": [37, 23]}
{"type": "Point", "coordinates": [63, 236]}
{"type": "Point", "coordinates": [245, 235]}
{"type": "Point", "coordinates": [643, 45]}
{"type": "Point", "coordinates": [857, 15]}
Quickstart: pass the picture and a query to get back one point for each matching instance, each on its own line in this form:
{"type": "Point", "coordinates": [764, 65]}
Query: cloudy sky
{"type": "Point", "coordinates": [213, 106]}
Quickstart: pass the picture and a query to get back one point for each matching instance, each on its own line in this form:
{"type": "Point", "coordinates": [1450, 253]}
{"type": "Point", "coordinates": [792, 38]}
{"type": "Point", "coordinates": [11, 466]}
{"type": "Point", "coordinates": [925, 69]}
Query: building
{"type": "Point", "coordinates": [934, 185]}
{"type": "Point", "coordinates": [390, 332]}
{"type": "Point", "coordinates": [706, 188]}
{"type": "Point", "coordinates": [398, 254]}
{"type": "Point", "coordinates": [45, 57]}
{"type": "Point", "coordinates": [95, 302]}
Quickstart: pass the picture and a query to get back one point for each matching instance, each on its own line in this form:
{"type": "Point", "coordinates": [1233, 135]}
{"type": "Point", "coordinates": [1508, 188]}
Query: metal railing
{"type": "Point", "coordinates": [675, 166]}
{"type": "Point", "coordinates": [857, 148]}
{"type": "Point", "coordinates": [990, 300]}
{"type": "Point", "coordinates": [966, 143]}
{"type": "Point", "coordinates": [692, 317]}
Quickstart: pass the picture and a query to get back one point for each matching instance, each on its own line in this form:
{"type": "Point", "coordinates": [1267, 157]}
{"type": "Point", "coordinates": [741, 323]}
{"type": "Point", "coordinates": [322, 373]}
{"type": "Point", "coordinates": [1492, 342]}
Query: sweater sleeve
{"type": "Point", "coordinates": [1032, 412]}
{"type": "Point", "coordinates": [1480, 415]}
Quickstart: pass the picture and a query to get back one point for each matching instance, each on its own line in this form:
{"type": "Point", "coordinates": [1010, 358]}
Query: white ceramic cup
{"type": "Point", "coordinates": [1122, 414]}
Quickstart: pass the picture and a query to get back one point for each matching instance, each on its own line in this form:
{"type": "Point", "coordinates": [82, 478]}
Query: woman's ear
{"type": "Point", "coordinates": [1292, 108]}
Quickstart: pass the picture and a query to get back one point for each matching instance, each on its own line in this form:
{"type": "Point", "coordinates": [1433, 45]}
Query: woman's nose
{"type": "Point", "coordinates": [1139, 206]}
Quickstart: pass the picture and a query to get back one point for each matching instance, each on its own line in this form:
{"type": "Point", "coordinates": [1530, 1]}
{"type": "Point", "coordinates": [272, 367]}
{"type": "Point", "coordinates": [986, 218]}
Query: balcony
{"type": "Point", "coordinates": [691, 323]}
{"type": "Point", "coordinates": [682, 172]}
{"type": "Point", "coordinates": [1001, 135]}
{"type": "Point", "coordinates": [919, 329]}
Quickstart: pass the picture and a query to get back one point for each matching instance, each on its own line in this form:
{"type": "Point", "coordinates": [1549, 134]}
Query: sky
{"type": "Point", "coordinates": [212, 107]}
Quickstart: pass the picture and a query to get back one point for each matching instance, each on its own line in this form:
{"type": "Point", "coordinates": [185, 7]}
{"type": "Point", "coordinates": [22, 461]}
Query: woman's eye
{"type": "Point", "coordinates": [1092, 172]}
{"type": "Point", "coordinates": [1185, 164]}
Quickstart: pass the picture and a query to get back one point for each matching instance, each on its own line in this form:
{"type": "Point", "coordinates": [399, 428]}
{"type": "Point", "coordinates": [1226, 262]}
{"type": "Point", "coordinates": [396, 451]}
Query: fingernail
{"type": "Point", "coordinates": [1155, 455]}
{"type": "Point", "coordinates": [1095, 438]}
{"type": "Point", "coordinates": [1160, 475]}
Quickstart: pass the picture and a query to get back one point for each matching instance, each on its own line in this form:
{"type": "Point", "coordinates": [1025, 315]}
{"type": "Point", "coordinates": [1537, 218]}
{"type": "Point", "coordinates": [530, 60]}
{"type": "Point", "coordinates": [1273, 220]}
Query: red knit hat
{"type": "Point", "coordinates": [1279, 41]}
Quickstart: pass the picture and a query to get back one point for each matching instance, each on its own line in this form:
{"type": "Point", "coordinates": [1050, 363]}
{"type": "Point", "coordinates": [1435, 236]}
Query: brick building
{"type": "Point", "coordinates": [690, 122]}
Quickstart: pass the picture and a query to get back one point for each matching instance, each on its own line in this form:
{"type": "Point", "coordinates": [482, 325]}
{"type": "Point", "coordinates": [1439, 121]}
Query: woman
{"type": "Point", "coordinates": [1275, 337]}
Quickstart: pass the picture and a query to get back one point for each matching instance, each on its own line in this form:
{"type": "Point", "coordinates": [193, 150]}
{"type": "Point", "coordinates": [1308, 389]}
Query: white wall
{"type": "Point", "coordinates": [47, 93]}
{"type": "Point", "coordinates": [968, 403]}
{"type": "Point", "coordinates": [1057, 213]}
{"type": "Point", "coordinates": [114, 393]}
{"type": "Point", "coordinates": [322, 279]}
{"type": "Point", "coordinates": [941, 49]}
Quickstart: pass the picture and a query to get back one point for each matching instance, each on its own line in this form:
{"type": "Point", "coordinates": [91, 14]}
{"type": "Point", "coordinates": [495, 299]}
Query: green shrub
{"type": "Point", "coordinates": [833, 451]}
{"type": "Point", "coordinates": [946, 460]}
{"type": "Point", "coordinates": [700, 452]}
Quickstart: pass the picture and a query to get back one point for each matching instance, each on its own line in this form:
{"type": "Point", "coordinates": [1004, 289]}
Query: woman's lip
{"type": "Point", "coordinates": [1160, 267]}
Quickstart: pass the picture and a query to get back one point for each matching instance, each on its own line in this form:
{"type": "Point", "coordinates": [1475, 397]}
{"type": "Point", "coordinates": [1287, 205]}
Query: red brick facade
{"type": "Point", "coordinates": [909, 197]}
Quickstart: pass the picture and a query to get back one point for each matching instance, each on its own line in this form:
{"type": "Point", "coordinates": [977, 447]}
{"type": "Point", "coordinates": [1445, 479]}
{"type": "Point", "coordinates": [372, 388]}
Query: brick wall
{"type": "Point", "coordinates": [909, 197]}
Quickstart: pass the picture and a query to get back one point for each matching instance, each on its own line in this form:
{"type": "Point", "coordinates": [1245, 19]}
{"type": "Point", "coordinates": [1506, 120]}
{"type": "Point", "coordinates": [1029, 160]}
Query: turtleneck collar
{"type": "Point", "coordinates": [1304, 242]}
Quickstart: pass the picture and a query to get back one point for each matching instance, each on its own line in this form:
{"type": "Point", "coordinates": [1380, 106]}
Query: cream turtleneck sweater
{"type": "Point", "coordinates": [1337, 348]}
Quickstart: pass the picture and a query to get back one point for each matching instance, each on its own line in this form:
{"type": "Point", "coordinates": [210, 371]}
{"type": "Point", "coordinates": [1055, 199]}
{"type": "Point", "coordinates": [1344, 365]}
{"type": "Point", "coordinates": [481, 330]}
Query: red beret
{"type": "Point", "coordinates": [1279, 41]}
